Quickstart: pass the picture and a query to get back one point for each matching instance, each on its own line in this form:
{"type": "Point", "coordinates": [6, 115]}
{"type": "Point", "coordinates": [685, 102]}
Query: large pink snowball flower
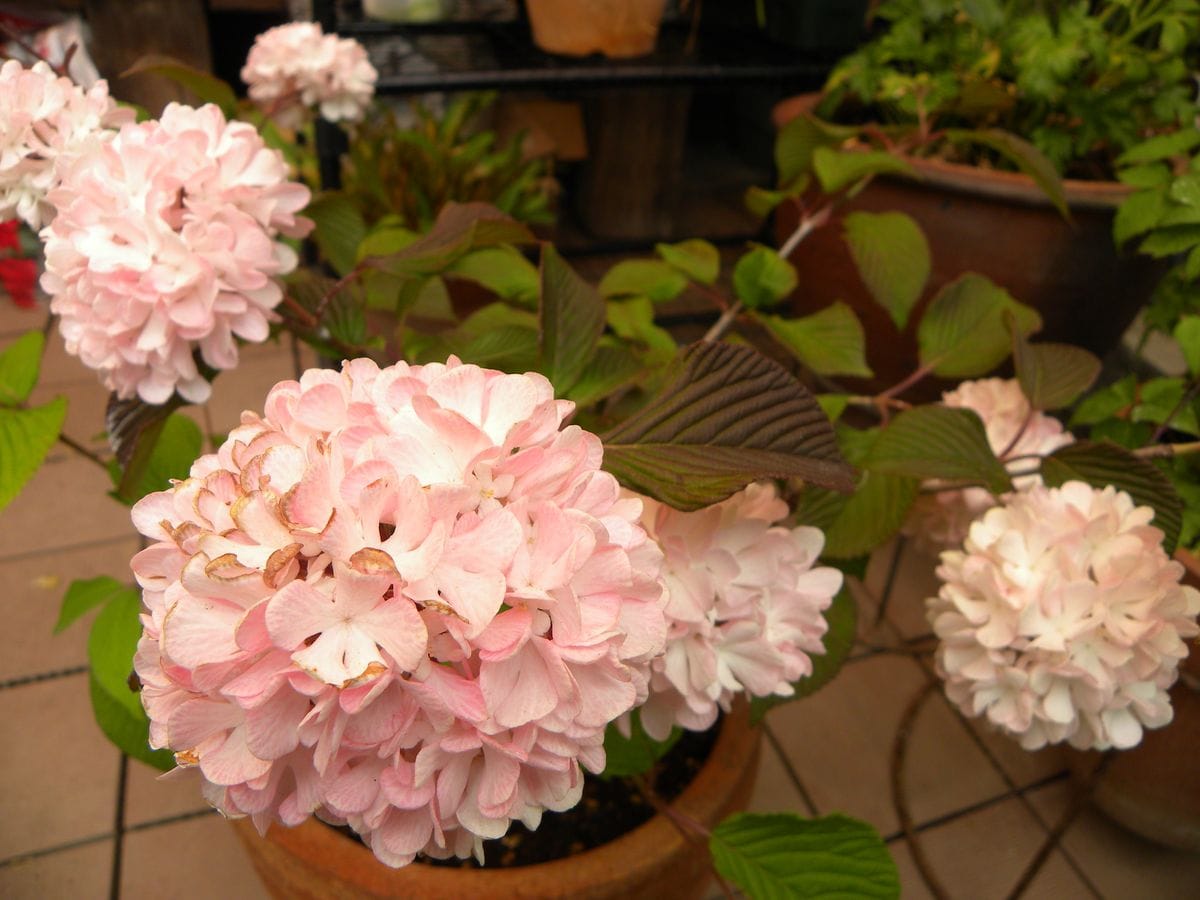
{"type": "Point", "coordinates": [1062, 618]}
{"type": "Point", "coordinates": [297, 66]}
{"type": "Point", "coordinates": [405, 599]}
{"type": "Point", "coordinates": [166, 241]}
{"type": "Point", "coordinates": [940, 520]}
{"type": "Point", "coordinates": [45, 119]}
{"type": "Point", "coordinates": [745, 604]}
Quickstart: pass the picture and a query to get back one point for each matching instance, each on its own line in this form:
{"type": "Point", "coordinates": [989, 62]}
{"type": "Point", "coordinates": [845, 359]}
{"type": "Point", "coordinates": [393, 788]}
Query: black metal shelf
{"type": "Point", "coordinates": [729, 58]}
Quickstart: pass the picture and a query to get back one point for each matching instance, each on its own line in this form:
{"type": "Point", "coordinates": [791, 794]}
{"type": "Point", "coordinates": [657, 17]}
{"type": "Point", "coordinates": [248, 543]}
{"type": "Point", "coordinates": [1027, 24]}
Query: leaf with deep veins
{"type": "Point", "coordinates": [726, 416]}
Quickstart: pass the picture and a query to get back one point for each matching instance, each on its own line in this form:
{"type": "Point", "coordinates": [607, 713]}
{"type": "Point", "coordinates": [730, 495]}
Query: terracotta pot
{"type": "Point", "coordinates": [618, 28]}
{"type": "Point", "coordinates": [653, 861]}
{"type": "Point", "coordinates": [998, 224]}
{"type": "Point", "coordinates": [1154, 789]}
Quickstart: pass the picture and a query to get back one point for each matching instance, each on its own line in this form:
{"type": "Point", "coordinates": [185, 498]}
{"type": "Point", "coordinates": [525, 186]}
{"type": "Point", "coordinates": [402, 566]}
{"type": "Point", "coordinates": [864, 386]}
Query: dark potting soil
{"type": "Point", "coordinates": [607, 810]}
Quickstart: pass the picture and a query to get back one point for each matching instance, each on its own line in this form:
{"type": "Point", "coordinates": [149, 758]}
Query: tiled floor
{"type": "Point", "coordinates": [72, 808]}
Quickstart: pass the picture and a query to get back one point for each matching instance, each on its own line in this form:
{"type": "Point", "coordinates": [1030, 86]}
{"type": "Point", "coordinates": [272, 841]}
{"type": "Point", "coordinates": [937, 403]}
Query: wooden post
{"type": "Point", "coordinates": [123, 31]}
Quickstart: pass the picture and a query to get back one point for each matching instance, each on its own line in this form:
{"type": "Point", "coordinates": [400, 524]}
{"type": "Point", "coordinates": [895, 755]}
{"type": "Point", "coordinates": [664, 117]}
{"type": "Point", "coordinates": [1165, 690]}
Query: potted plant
{"type": "Point", "coordinates": [410, 596]}
{"type": "Point", "coordinates": [616, 28]}
{"type": "Point", "coordinates": [1016, 131]}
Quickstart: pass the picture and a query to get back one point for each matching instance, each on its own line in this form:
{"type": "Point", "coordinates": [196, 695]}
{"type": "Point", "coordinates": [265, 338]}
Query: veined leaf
{"type": "Point", "coordinates": [938, 442]}
{"type": "Point", "coordinates": [19, 366]}
{"type": "Point", "coordinates": [1052, 376]}
{"type": "Point", "coordinates": [892, 256]}
{"type": "Point", "coordinates": [830, 341]}
{"type": "Point", "coordinates": [1025, 156]}
{"type": "Point", "coordinates": [698, 260]}
{"type": "Point", "coordinates": [504, 270]}
{"type": "Point", "coordinates": [111, 645]}
{"type": "Point", "coordinates": [571, 316]}
{"type": "Point", "coordinates": [207, 88]}
{"type": "Point", "coordinates": [612, 367]}
{"type": "Point", "coordinates": [651, 278]}
{"type": "Point", "coordinates": [86, 594]}
{"type": "Point", "coordinates": [26, 436]}
{"type": "Point", "coordinates": [870, 516]}
{"type": "Point", "coordinates": [762, 277]}
{"type": "Point", "coordinates": [842, 619]}
{"type": "Point", "coordinates": [781, 856]}
{"type": "Point", "coordinates": [838, 169]}
{"type": "Point", "coordinates": [962, 333]}
{"type": "Point", "coordinates": [725, 416]}
{"type": "Point", "coordinates": [165, 451]}
{"type": "Point", "coordinates": [340, 228]}
{"type": "Point", "coordinates": [1104, 464]}
{"type": "Point", "coordinates": [459, 227]}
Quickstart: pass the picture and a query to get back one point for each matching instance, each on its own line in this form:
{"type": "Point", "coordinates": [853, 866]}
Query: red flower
{"type": "Point", "coordinates": [18, 277]}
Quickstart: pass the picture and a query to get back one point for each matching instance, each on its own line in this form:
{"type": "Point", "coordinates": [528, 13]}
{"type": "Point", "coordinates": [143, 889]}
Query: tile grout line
{"type": "Point", "coordinates": [23, 680]}
{"type": "Point", "coordinates": [993, 761]}
{"type": "Point", "coordinates": [107, 835]}
{"type": "Point", "coordinates": [980, 805]}
{"type": "Point", "coordinates": [773, 741]}
{"type": "Point", "coordinates": [68, 548]}
{"type": "Point", "coordinates": [114, 879]}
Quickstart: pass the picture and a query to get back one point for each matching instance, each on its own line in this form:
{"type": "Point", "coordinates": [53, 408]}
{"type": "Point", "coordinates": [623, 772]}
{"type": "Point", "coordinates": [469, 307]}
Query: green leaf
{"type": "Point", "coordinates": [650, 278]}
{"type": "Point", "coordinates": [781, 856]}
{"type": "Point", "coordinates": [1052, 376]}
{"type": "Point", "coordinates": [19, 366]}
{"type": "Point", "coordinates": [872, 515]}
{"type": "Point", "coordinates": [165, 451]}
{"type": "Point", "coordinates": [842, 619]}
{"type": "Point", "coordinates": [207, 88]}
{"type": "Point", "coordinates": [1146, 176]}
{"type": "Point", "coordinates": [892, 257]}
{"type": "Point", "coordinates": [939, 442]}
{"type": "Point", "coordinates": [633, 320]}
{"type": "Point", "coordinates": [1025, 156]}
{"type": "Point", "coordinates": [459, 228]}
{"type": "Point", "coordinates": [1169, 241]}
{"type": "Point", "coordinates": [1187, 333]}
{"type": "Point", "coordinates": [833, 405]}
{"type": "Point", "coordinates": [762, 202]}
{"type": "Point", "coordinates": [1138, 213]}
{"type": "Point", "coordinates": [798, 140]}
{"type": "Point", "coordinates": [962, 334]}
{"type": "Point", "coordinates": [698, 260]}
{"type": "Point", "coordinates": [26, 436]}
{"type": "Point", "coordinates": [111, 646]}
{"type": "Point", "coordinates": [830, 341]}
{"type": "Point", "coordinates": [572, 316]}
{"type": "Point", "coordinates": [1104, 464]}
{"type": "Point", "coordinates": [1163, 146]}
{"type": "Point", "coordinates": [725, 416]}
{"type": "Point", "coordinates": [611, 368]}
{"type": "Point", "coordinates": [1186, 189]}
{"type": "Point", "coordinates": [85, 594]}
{"type": "Point", "coordinates": [837, 169]}
{"type": "Point", "coordinates": [340, 228]}
{"type": "Point", "coordinates": [762, 277]}
{"type": "Point", "coordinates": [636, 754]}
{"type": "Point", "coordinates": [1105, 402]}
{"type": "Point", "coordinates": [503, 270]}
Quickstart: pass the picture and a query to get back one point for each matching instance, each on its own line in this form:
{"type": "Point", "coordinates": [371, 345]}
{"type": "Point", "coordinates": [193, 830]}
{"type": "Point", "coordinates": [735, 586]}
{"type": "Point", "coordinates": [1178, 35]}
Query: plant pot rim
{"type": "Point", "coordinates": [637, 852]}
{"type": "Point", "coordinates": [1014, 187]}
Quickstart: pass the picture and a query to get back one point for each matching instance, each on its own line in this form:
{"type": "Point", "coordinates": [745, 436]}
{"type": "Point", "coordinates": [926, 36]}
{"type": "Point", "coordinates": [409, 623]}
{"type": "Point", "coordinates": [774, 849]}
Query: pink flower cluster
{"type": "Point", "coordinates": [744, 606]}
{"type": "Point", "coordinates": [46, 120]}
{"type": "Point", "coordinates": [405, 599]}
{"type": "Point", "coordinates": [165, 241]}
{"type": "Point", "coordinates": [940, 520]}
{"type": "Point", "coordinates": [1062, 618]}
{"type": "Point", "coordinates": [297, 66]}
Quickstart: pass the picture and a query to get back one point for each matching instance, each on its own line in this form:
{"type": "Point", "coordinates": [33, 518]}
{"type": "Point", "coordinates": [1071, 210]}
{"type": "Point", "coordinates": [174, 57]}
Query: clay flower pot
{"type": "Point", "coordinates": [999, 224]}
{"type": "Point", "coordinates": [1154, 789]}
{"type": "Point", "coordinates": [617, 28]}
{"type": "Point", "coordinates": [652, 861]}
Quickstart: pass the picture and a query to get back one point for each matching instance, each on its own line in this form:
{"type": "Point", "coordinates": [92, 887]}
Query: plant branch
{"type": "Point", "coordinates": [902, 386]}
{"type": "Point", "coordinates": [1016, 438]}
{"type": "Point", "coordinates": [59, 68]}
{"type": "Point", "coordinates": [1187, 398]}
{"type": "Point", "coordinates": [83, 451]}
{"type": "Point", "coordinates": [692, 831]}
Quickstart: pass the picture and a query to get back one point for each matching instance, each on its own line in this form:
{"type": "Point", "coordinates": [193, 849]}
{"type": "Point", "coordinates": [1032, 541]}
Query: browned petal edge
{"type": "Point", "coordinates": [652, 861]}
